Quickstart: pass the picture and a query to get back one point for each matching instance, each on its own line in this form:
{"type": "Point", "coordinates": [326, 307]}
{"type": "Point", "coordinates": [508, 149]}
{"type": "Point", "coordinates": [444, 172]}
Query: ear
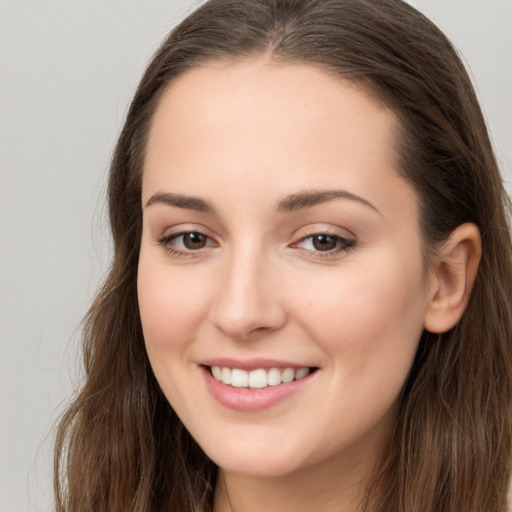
{"type": "Point", "coordinates": [452, 278]}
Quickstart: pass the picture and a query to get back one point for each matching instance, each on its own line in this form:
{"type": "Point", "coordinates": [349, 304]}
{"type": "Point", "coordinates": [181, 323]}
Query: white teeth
{"type": "Point", "coordinates": [239, 378]}
{"type": "Point", "coordinates": [225, 375]}
{"type": "Point", "coordinates": [299, 374]}
{"type": "Point", "coordinates": [259, 378]}
{"type": "Point", "coordinates": [274, 377]}
{"type": "Point", "coordinates": [217, 372]}
{"type": "Point", "coordinates": [288, 375]}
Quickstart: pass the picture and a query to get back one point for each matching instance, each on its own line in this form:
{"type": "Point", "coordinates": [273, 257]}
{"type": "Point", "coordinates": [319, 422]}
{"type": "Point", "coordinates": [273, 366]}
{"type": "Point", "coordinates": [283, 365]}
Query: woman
{"type": "Point", "coordinates": [309, 304]}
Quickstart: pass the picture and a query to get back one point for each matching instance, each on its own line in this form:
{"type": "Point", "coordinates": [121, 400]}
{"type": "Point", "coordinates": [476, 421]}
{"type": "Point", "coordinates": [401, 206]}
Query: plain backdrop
{"type": "Point", "coordinates": [68, 69]}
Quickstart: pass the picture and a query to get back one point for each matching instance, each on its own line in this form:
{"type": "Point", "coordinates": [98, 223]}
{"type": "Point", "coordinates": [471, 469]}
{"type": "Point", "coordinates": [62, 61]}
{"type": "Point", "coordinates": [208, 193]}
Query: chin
{"type": "Point", "coordinates": [253, 460]}
{"type": "Point", "coordinates": [258, 468]}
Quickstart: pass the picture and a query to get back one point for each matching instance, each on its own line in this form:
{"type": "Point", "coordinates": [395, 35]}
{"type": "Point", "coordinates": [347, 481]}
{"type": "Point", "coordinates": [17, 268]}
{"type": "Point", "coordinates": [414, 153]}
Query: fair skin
{"type": "Point", "coordinates": [277, 233]}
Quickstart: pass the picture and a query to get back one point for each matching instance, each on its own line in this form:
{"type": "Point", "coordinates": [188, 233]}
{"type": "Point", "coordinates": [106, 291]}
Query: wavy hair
{"type": "Point", "coordinates": [120, 447]}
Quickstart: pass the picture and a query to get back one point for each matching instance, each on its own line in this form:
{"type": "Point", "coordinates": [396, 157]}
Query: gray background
{"type": "Point", "coordinates": [68, 69]}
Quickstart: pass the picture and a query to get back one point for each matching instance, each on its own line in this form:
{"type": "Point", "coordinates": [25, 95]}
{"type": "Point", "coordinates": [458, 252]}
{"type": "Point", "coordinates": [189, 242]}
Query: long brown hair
{"type": "Point", "coordinates": [120, 446]}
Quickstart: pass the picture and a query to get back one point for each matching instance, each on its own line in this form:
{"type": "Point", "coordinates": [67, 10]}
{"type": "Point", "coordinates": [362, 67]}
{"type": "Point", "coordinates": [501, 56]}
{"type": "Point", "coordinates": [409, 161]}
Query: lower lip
{"type": "Point", "coordinates": [250, 399]}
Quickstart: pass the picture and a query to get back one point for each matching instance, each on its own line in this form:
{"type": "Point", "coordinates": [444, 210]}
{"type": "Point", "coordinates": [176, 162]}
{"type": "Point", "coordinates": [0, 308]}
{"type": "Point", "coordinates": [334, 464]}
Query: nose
{"type": "Point", "coordinates": [248, 298]}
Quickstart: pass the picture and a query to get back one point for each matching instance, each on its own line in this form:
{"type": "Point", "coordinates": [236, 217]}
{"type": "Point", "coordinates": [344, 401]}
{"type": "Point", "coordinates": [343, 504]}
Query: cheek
{"type": "Point", "coordinates": [170, 307]}
{"type": "Point", "coordinates": [368, 314]}
{"type": "Point", "coordinates": [369, 324]}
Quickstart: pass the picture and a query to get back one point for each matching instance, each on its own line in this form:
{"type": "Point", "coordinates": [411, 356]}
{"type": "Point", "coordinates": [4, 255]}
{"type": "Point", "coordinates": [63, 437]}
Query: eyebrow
{"type": "Point", "coordinates": [308, 199]}
{"type": "Point", "coordinates": [181, 201]}
{"type": "Point", "coordinates": [291, 203]}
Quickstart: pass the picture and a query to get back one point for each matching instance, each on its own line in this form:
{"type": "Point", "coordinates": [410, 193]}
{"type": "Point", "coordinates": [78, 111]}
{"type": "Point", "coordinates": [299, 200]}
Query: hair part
{"type": "Point", "coordinates": [120, 445]}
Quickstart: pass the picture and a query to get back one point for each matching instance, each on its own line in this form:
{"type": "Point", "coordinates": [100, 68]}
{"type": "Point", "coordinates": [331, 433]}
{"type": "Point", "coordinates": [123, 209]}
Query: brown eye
{"type": "Point", "coordinates": [186, 243]}
{"type": "Point", "coordinates": [194, 240]}
{"type": "Point", "coordinates": [324, 242]}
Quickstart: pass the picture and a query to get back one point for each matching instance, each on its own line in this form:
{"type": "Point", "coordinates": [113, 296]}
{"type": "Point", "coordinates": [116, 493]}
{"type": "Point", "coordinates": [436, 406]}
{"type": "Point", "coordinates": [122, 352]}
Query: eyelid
{"type": "Point", "coordinates": [344, 242]}
{"type": "Point", "coordinates": [183, 229]}
{"type": "Point", "coordinates": [170, 234]}
{"type": "Point", "coordinates": [173, 236]}
{"type": "Point", "coordinates": [323, 229]}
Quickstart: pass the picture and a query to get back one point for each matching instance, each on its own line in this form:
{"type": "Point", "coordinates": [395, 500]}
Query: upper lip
{"type": "Point", "coordinates": [253, 364]}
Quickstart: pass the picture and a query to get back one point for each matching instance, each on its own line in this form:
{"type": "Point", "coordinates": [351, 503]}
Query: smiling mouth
{"type": "Point", "coordinates": [259, 378]}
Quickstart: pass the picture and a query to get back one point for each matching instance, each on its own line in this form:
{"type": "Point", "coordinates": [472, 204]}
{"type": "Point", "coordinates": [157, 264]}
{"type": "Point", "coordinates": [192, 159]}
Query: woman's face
{"type": "Point", "coordinates": [279, 242]}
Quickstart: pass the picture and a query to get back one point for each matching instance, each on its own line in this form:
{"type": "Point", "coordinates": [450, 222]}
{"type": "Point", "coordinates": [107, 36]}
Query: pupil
{"type": "Point", "coordinates": [194, 241]}
{"type": "Point", "coordinates": [324, 242]}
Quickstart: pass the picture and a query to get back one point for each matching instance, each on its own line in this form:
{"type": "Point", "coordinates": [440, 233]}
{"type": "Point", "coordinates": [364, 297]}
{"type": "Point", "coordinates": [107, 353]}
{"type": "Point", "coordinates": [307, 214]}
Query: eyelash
{"type": "Point", "coordinates": [167, 243]}
{"type": "Point", "coordinates": [341, 244]}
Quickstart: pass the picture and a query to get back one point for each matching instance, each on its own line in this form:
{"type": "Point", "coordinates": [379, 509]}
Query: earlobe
{"type": "Point", "coordinates": [452, 278]}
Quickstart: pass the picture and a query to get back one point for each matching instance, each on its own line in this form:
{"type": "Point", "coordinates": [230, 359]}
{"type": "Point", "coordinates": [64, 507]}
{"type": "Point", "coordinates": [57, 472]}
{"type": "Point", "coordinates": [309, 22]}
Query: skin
{"type": "Point", "coordinates": [242, 137]}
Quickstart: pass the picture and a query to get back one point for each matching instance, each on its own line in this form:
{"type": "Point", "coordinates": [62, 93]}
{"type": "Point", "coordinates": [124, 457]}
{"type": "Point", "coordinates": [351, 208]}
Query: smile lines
{"type": "Point", "coordinates": [259, 378]}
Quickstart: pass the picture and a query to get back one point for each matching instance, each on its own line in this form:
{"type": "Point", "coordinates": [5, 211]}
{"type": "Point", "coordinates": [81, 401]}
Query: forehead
{"type": "Point", "coordinates": [255, 122]}
{"type": "Point", "coordinates": [229, 93]}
